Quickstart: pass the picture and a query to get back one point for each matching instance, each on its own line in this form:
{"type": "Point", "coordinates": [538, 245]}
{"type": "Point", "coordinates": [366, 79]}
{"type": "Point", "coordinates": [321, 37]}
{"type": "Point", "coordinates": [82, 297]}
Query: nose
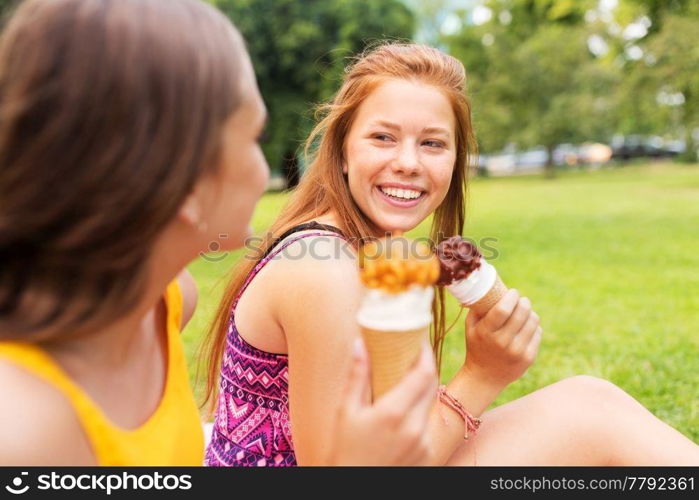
{"type": "Point", "coordinates": [407, 161]}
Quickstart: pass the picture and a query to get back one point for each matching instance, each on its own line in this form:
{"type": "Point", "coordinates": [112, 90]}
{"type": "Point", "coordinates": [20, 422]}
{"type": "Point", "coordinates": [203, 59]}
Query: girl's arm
{"type": "Point", "coordinates": [500, 348]}
{"type": "Point", "coordinates": [38, 426]}
{"type": "Point", "coordinates": [315, 304]}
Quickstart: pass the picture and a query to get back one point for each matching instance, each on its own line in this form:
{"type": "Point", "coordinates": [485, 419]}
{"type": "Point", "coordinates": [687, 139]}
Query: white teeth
{"type": "Point", "coordinates": [406, 194]}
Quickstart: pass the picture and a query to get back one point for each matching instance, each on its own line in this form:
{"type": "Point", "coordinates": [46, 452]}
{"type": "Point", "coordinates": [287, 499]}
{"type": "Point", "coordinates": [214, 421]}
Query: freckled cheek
{"type": "Point", "coordinates": [364, 166]}
{"type": "Point", "coordinates": [441, 174]}
{"type": "Point", "coordinates": [441, 180]}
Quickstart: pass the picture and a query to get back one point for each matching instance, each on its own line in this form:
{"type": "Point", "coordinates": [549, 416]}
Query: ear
{"type": "Point", "coordinates": [190, 210]}
{"type": "Point", "coordinates": [344, 167]}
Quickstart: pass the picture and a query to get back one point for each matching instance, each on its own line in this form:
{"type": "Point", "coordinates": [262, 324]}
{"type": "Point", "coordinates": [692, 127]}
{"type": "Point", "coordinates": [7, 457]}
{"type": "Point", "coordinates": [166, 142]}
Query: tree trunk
{"type": "Point", "coordinates": [550, 169]}
{"type": "Point", "coordinates": [690, 152]}
{"type": "Point", "coordinates": [688, 112]}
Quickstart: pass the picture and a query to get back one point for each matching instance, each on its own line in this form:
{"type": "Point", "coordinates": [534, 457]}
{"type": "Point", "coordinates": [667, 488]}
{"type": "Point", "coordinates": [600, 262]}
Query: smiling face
{"type": "Point", "coordinates": [400, 154]}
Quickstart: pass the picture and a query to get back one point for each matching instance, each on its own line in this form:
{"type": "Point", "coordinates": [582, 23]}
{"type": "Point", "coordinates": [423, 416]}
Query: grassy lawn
{"type": "Point", "coordinates": [610, 259]}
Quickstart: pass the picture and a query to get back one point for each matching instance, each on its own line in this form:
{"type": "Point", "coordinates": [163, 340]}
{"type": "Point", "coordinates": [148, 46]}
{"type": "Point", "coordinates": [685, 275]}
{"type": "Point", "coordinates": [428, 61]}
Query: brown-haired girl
{"type": "Point", "coordinates": [393, 149]}
{"type": "Point", "coordinates": [128, 142]}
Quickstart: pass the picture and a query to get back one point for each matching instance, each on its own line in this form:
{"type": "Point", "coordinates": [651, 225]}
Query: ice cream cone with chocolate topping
{"type": "Point", "coordinates": [468, 276]}
{"type": "Point", "coordinates": [396, 310]}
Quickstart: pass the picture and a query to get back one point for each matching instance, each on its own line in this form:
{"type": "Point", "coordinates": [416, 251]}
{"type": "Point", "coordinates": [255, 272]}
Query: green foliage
{"type": "Point", "coordinates": [299, 50]}
{"type": "Point", "coordinates": [533, 80]}
{"type": "Point", "coordinates": [656, 10]}
{"type": "Point", "coordinates": [609, 265]}
{"type": "Point", "coordinates": [535, 84]}
{"type": "Point", "coordinates": [670, 67]}
{"type": "Point", "coordinates": [6, 5]}
{"type": "Point", "coordinates": [560, 87]}
{"type": "Point", "coordinates": [529, 15]}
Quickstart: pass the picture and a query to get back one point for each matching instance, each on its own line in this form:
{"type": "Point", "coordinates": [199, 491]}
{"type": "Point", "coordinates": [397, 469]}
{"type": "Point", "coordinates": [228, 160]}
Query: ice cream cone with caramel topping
{"type": "Point", "coordinates": [396, 310]}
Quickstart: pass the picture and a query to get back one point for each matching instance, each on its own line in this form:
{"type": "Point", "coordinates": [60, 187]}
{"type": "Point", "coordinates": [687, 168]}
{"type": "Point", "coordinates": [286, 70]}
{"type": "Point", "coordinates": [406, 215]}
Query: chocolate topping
{"type": "Point", "coordinates": [458, 258]}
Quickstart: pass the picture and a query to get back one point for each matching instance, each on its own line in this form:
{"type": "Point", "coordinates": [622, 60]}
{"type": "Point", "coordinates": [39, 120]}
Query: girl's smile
{"type": "Point", "coordinates": [401, 195]}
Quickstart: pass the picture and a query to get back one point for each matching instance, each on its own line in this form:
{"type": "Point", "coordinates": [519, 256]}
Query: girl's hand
{"type": "Point", "coordinates": [503, 344]}
{"type": "Point", "coordinates": [392, 431]}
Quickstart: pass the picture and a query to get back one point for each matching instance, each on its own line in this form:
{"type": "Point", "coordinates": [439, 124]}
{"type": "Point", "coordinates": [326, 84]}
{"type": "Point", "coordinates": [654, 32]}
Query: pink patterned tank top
{"type": "Point", "coordinates": [251, 426]}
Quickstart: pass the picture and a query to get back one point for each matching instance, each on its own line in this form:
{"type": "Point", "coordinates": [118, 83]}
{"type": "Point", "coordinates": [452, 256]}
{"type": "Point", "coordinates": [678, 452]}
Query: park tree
{"type": "Point", "coordinates": [560, 90]}
{"type": "Point", "coordinates": [532, 78]}
{"type": "Point", "coordinates": [526, 16]}
{"type": "Point", "coordinates": [430, 18]}
{"type": "Point", "coordinates": [656, 10]}
{"type": "Point", "coordinates": [660, 91]}
{"type": "Point", "coordinates": [299, 49]}
{"type": "Point", "coordinates": [664, 84]}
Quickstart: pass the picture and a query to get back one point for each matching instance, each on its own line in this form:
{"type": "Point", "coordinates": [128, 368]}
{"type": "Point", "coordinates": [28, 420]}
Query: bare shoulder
{"type": "Point", "coordinates": [39, 425]}
{"type": "Point", "coordinates": [318, 262]}
{"type": "Point", "coordinates": [316, 277]}
{"type": "Point", "coordinates": [190, 294]}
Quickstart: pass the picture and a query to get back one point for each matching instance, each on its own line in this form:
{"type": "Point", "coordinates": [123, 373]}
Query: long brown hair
{"type": "Point", "coordinates": [110, 111]}
{"type": "Point", "coordinates": [324, 186]}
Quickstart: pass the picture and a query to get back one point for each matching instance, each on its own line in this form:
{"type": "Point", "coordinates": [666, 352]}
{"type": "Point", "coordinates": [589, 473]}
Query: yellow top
{"type": "Point", "coordinates": [172, 435]}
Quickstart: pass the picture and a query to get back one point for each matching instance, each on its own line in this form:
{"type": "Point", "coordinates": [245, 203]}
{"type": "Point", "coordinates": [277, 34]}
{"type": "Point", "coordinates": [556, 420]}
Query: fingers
{"type": "Point", "coordinates": [518, 323]}
{"type": "Point", "coordinates": [408, 407]}
{"type": "Point", "coordinates": [501, 311]}
{"type": "Point", "coordinates": [358, 384]}
{"type": "Point", "coordinates": [526, 333]}
{"type": "Point", "coordinates": [472, 320]}
{"type": "Point", "coordinates": [533, 346]}
{"type": "Point", "coordinates": [518, 318]}
{"type": "Point", "coordinates": [417, 390]}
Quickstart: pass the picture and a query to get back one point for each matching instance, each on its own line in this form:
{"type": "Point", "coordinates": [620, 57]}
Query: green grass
{"type": "Point", "coordinates": [610, 261]}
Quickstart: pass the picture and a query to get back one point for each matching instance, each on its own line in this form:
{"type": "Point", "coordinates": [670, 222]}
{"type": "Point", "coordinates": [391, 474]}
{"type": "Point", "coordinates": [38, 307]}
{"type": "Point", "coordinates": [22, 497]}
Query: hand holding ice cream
{"type": "Point", "coordinates": [502, 342]}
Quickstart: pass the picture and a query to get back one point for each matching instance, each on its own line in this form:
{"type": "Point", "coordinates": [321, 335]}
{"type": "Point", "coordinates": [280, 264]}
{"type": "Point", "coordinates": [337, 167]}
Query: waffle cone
{"type": "Point", "coordinates": [495, 293]}
{"type": "Point", "coordinates": [392, 354]}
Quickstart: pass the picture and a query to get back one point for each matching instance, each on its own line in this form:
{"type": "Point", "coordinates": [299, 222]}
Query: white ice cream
{"type": "Point", "coordinates": [474, 288]}
{"type": "Point", "coordinates": [407, 310]}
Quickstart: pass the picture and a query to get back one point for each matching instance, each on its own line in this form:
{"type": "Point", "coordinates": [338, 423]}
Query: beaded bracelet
{"type": "Point", "coordinates": [472, 423]}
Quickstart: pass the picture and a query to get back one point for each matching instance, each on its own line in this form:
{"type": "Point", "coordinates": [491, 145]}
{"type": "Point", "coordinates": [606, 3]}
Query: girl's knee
{"type": "Point", "coordinates": [589, 410]}
{"type": "Point", "coordinates": [593, 392]}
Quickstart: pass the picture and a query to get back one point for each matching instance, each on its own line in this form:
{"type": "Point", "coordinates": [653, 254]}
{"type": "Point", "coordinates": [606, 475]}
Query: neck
{"type": "Point", "coordinates": [115, 343]}
{"type": "Point", "coordinates": [333, 219]}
